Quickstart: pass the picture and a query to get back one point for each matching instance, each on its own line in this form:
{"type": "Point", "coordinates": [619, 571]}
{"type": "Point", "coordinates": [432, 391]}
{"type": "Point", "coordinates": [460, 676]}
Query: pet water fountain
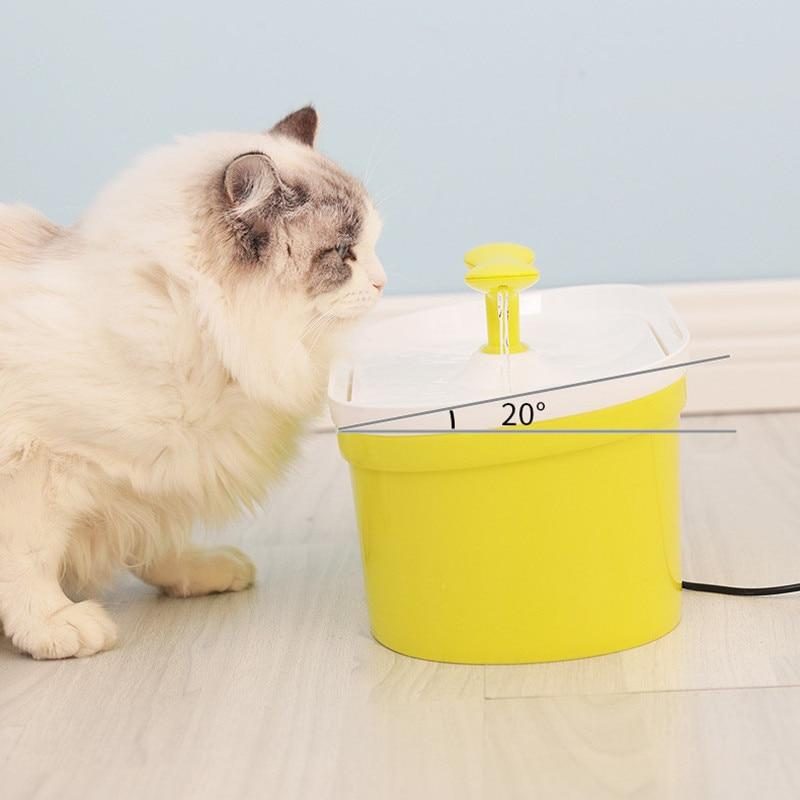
{"type": "Point", "coordinates": [518, 500]}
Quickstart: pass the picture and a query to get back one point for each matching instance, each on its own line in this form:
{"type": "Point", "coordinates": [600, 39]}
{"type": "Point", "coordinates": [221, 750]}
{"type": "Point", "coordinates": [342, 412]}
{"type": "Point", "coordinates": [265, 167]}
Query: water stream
{"type": "Point", "coordinates": [502, 314]}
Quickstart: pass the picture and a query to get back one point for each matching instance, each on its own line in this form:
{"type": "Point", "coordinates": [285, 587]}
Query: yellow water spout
{"type": "Point", "coordinates": [501, 270]}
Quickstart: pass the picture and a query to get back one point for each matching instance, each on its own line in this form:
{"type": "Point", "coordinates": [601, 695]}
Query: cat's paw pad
{"type": "Point", "coordinates": [77, 630]}
{"type": "Point", "coordinates": [221, 569]}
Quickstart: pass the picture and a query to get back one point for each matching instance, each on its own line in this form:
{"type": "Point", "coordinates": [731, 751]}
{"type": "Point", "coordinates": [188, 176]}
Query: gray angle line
{"type": "Point", "coordinates": [345, 428]}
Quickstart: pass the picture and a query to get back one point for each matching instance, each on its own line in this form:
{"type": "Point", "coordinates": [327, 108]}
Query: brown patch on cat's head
{"type": "Point", "coordinates": [337, 208]}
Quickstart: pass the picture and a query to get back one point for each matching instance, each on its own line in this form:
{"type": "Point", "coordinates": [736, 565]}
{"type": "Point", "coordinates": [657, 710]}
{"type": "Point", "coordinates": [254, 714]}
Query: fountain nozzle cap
{"type": "Point", "coordinates": [500, 265]}
{"type": "Point", "coordinates": [500, 270]}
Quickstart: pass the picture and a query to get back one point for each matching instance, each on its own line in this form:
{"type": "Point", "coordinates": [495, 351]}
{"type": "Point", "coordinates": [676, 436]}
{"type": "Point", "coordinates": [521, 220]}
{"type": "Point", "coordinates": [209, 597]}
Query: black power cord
{"type": "Point", "coordinates": [747, 591]}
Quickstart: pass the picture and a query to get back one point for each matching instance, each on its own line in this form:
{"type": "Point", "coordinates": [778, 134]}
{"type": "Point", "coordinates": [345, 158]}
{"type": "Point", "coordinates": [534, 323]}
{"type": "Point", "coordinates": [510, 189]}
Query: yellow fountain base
{"type": "Point", "coordinates": [511, 548]}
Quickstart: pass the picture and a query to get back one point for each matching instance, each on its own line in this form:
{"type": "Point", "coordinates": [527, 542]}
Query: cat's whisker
{"type": "Point", "coordinates": [312, 324]}
{"type": "Point", "coordinates": [393, 191]}
{"type": "Point", "coordinates": [315, 324]}
{"type": "Point", "coordinates": [321, 330]}
{"type": "Point", "coordinates": [314, 327]}
{"type": "Point", "coordinates": [309, 329]}
{"type": "Point", "coordinates": [369, 169]}
{"type": "Point", "coordinates": [325, 322]}
{"type": "Point", "coordinates": [381, 139]}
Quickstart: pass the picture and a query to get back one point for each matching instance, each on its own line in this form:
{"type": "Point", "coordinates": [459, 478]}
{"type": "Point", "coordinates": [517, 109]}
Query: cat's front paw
{"type": "Point", "coordinates": [209, 571]}
{"type": "Point", "coordinates": [77, 630]}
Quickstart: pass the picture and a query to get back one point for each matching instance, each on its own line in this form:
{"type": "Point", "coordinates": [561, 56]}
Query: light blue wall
{"type": "Point", "coordinates": [633, 141]}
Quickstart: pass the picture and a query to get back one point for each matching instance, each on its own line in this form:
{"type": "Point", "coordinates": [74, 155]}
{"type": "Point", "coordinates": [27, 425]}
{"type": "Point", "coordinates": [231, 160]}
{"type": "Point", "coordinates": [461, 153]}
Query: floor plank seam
{"type": "Point", "coordinates": [636, 692]}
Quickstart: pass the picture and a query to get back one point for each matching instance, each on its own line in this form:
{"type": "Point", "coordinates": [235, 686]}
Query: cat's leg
{"type": "Point", "coordinates": [197, 571]}
{"type": "Point", "coordinates": [34, 530]}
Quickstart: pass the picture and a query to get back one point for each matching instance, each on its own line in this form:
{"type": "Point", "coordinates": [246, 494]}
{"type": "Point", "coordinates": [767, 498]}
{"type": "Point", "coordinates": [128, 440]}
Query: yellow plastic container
{"type": "Point", "coordinates": [491, 548]}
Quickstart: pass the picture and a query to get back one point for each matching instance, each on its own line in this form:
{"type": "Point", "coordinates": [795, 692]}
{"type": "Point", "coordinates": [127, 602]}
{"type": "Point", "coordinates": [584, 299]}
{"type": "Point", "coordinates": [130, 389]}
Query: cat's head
{"type": "Point", "coordinates": [288, 213]}
{"type": "Point", "coordinates": [260, 209]}
{"type": "Point", "coordinates": [274, 243]}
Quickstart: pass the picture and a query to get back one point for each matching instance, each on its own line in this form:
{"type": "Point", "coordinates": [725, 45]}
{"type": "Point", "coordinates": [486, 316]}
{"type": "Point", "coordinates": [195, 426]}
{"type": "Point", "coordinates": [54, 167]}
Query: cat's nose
{"type": "Point", "coordinates": [376, 275]}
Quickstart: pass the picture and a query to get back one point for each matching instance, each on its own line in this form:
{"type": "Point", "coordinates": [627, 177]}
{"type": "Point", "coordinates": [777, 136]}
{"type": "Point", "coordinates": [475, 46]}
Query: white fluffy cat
{"type": "Point", "coordinates": [157, 362]}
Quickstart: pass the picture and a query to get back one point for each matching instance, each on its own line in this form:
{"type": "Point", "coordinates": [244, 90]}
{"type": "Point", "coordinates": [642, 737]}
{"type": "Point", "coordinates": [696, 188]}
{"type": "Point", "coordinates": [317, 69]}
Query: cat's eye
{"type": "Point", "coordinates": [344, 250]}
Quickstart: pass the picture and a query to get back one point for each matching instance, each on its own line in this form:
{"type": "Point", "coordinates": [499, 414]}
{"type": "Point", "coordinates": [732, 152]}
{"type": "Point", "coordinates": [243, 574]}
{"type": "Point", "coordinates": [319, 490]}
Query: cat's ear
{"type": "Point", "coordinates": [257, 196]}
{"type": "Point", "coordinates": [300, 125]}
{"type": "Point", "coordinates": [251, 182]}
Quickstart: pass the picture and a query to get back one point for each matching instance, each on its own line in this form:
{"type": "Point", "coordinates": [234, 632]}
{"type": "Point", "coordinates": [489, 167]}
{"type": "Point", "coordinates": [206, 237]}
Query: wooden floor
{"type": "Point", "coordinates": [280, 692]}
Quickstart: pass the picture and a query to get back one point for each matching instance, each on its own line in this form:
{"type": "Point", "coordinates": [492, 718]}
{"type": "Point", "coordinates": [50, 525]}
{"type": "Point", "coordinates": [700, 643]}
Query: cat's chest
{"type": "Point", "coordinates": [221, 450]}
{"type": "Point", "coordinates": [237, 432]}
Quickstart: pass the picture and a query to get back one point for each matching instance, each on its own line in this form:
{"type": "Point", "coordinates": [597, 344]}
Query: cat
{"type": "Point", "coordinates": [158, 361]}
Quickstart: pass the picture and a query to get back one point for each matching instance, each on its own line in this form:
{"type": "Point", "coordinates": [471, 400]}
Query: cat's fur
{"type": "Point", "coordinates": [157, 362]}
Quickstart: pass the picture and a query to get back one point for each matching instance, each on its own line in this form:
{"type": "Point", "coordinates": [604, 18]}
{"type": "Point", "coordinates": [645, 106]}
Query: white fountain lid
{"type": "Point", "coordinates": [431, 361]}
